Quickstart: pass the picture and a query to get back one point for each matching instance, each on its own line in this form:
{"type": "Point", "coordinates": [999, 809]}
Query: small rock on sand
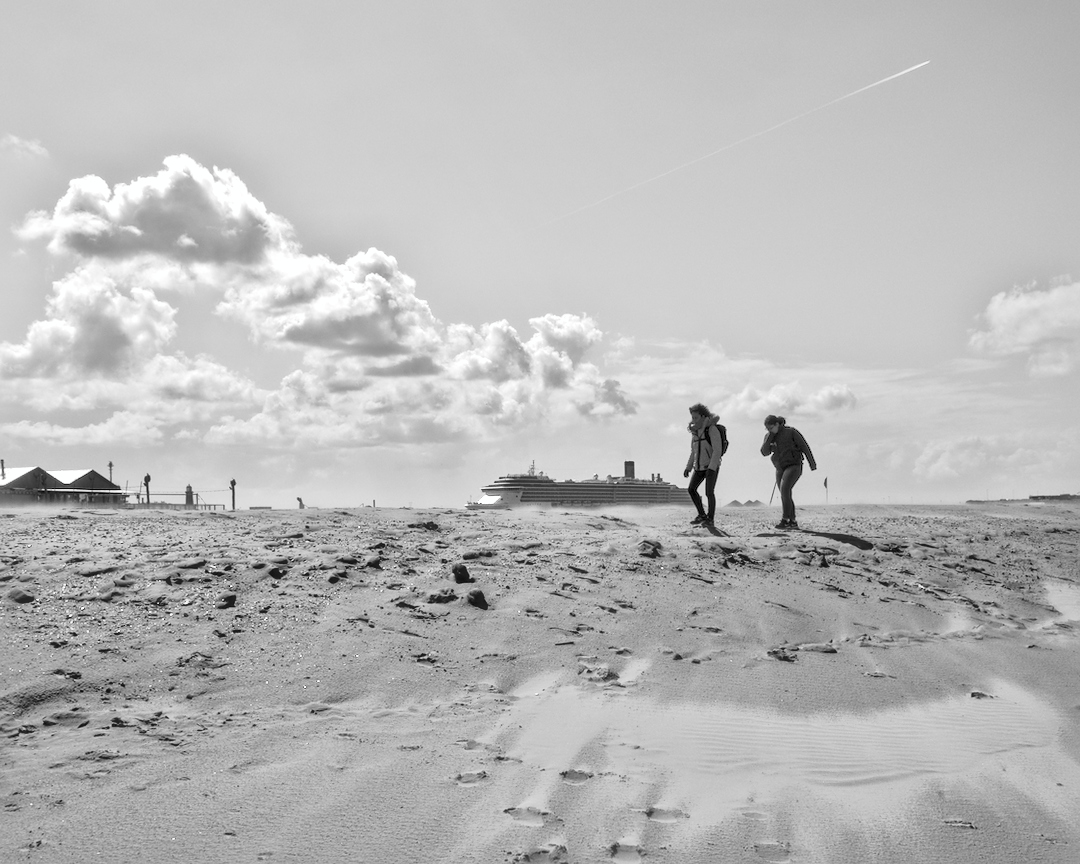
{"type": "Point", "coordinates": [649, 548]}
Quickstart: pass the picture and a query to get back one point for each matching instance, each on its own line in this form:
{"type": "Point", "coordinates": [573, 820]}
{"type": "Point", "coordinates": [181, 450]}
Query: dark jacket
{"type": "Point", "coordinates": [787, 447]}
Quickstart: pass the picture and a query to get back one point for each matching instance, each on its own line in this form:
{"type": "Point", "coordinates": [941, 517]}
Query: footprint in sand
{"type": "Point", "coordinates": [553, 854]}
{"type": "Point", "coordinates": [625, 853]}
{"type": "Point", "coordinates": [533, 817]}
{"type": "Point", "coordinates": [573, 777]}
{"type": "Point", "coordinates": [471, 778]}
{"type": "Point", "coordinates": [665, 814]}
{"type": "Point", "coordinates": [776, 853]}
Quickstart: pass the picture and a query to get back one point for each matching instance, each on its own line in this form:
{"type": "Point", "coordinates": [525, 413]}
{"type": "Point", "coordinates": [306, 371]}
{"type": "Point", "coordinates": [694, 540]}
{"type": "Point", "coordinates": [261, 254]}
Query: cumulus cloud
{"type": "Point", "coordinates": [494, 352]}
{"type": "Point", "coordinates": [365, 307]}
{"type": "Point", "coordinates": [22, 148]}
{"type": "Point", "coordinates": [95, 326]}
{"type": "Point", "coordinates": [122, 428]}
{"type": "Point", "coordinates": [185, 212]}
{"type": "Point", "coordinates": [973, 455]}
{"type": "Point", "coordinates": [1043, 323]}
{"type": "Point", "coordinates": [607, 399]}
{"type": "Point", "coordinates": [375, 364]}
{"type": "Point", "coordinates": [785, 399]}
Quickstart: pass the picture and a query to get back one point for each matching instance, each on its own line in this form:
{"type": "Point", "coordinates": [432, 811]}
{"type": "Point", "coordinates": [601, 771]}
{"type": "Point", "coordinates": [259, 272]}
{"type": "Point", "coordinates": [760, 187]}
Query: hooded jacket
{"type": "Point", "coordinates": [787, 447]}
{"type": "Point", "coordinates": [707, 445]}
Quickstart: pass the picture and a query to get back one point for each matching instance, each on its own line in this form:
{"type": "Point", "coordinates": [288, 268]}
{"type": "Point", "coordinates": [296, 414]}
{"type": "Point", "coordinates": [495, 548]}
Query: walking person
{"type": "Point", "coordinates": [786, 447]}
{"type": "Point", "coordinates": [708, 443]}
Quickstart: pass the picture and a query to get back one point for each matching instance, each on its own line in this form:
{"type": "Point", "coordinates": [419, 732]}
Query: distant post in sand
{"type": "Point", "coordinates": [146, 483]}
{"type": "Point", "coordinates": [232, 486]}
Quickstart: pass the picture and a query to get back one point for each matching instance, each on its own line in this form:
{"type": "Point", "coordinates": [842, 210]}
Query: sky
{"type": "Point", "coordinates": [388, 251]}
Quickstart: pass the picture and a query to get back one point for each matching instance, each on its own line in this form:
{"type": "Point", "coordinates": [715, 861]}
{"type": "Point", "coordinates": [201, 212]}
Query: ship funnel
{"type": "Point", "coordinates": [628, 470]}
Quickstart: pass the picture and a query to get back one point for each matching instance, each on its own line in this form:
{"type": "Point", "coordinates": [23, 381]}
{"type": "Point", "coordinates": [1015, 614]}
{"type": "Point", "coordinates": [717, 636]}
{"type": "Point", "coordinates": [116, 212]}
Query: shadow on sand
{"type": "Point", "coordinates": [850, 539]}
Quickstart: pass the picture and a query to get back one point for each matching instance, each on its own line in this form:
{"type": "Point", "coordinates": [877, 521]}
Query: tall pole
{"type": "Point", "coordinates": [232, 486]}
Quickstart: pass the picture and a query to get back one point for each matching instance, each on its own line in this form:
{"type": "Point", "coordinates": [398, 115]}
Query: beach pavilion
{"type": "Point", "coordinates": [68, 486]}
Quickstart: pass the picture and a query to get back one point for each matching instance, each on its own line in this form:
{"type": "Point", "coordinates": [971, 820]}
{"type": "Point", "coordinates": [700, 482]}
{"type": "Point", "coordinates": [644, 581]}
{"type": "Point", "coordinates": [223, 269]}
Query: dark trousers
{"type": "Point", "coordinates": [786, 478]}
{"type": "Point", "coordinates": [709, 476]}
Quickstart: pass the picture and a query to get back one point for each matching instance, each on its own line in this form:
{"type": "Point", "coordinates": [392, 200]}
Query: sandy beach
{"type": "Point", "coordinates": [890, 684]}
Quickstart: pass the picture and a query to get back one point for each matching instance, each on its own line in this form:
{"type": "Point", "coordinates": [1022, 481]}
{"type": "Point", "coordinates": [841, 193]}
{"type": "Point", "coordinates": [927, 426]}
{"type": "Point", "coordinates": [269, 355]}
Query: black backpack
{"type": "Point", "coordinates": [723, 438]}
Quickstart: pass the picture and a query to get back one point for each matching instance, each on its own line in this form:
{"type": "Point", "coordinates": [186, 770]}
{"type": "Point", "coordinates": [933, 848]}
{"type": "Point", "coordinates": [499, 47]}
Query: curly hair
{"type": "Point", "coordinates": [772, 418]}
{"type": "Point", "coordinates": [700, 410]}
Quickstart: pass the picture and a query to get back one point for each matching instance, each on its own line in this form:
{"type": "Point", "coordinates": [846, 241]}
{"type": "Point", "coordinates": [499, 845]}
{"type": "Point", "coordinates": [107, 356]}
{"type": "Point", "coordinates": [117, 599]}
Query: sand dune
{"type": "Point", "coordinates": [889, 684]}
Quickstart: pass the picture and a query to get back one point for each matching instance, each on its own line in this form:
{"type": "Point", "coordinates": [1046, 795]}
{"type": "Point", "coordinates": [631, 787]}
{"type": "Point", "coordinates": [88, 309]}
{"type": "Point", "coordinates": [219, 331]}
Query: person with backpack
{"type": "Point", "coordinates": [708, 443]}
{"type": "Point", "coordinates": [786, 447]}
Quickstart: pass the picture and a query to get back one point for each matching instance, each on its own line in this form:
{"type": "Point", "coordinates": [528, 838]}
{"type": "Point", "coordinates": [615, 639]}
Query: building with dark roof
{"type": "Point", "coordinates": [67, 486]}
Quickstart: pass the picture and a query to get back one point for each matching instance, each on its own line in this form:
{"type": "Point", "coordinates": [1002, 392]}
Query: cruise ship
{"type": "Point", "coordinates": [537, 489]}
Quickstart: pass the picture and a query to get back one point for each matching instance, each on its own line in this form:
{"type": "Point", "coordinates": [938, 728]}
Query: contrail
{"type": "Point", "coordinates": [737, 143]}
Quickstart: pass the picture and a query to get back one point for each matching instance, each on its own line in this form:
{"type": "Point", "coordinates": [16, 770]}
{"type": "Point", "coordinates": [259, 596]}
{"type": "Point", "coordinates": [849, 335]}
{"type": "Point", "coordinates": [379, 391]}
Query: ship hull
{"type": "Point", "coordinates": [535, 491]}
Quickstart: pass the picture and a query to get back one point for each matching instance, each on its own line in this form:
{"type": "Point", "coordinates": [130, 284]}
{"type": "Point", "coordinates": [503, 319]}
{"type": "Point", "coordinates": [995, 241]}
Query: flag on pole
{"type": "Point", "coordinates": [826, 482]}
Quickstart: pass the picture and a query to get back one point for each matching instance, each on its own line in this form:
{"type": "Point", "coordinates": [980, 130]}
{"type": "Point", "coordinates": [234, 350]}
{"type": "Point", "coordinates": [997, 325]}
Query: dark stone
{"type": "Point", "coordinates": [476, 598]}
{"type": "Point", "coordinates": [461, 574]}
{"type": "Point", "coordinates": [20, 596]}
{"type": "Point", "coordinates": [226, 601]}
{"type": "Point", "coordinates": [96, 569]}
{"type": "Point", "coordinates": [649, 548]}
{"type": "Point", "coordinates": [447, 595]}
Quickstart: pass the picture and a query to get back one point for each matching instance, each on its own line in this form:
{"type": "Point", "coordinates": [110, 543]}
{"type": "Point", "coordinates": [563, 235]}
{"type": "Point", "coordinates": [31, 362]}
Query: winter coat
{"type": "Point", "coordinates": [707, 445]}
{"type": "Point", "coordinates": [787, 447]}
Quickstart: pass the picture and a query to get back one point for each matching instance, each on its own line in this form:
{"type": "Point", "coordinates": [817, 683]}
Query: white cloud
{"type": "Point", "coordinates": [974, 457]}
{"type": "Point", "coordinates": [608, 399]}
{"type": "Point", "coordinates": [364, 307]}
{"type": "Point", "coordinates": [96, 326]}
{"type": "Point", "coordinates": [175, 381]}
{"type": "Point", "coordinates": [376, 365]}
{"type": "Point", "coordinates": [566, 334]}
{"type": "Point", "coordinates": [1042, 323]}
{"type": "Point", "coordinates": [185, 212]}
{"type": "Point", "coordinates": [789, 399]}
{"type": "Point", "coordinates": [124, 428]}
{"type": "Point", "coordinates": [22, 148]}
{"type": "Point", "coordinates": [494, 352]}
